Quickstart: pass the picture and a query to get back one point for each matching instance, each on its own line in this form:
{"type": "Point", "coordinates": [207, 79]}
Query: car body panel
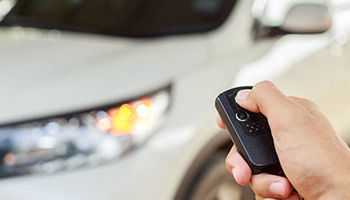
{"type": "Point", "coordinates": [90, 71]}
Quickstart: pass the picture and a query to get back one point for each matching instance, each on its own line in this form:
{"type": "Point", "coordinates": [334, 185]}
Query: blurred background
{"type": "Point", "coordinates": [114, 99]}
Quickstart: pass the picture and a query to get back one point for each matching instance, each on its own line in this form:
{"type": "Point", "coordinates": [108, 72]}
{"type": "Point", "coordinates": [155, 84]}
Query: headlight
{"type": "Point", "coordinates": [81, 139]}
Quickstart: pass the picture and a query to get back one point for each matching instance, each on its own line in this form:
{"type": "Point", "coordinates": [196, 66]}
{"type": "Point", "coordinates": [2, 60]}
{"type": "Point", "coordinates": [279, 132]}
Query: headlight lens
{"type": "Point", "coordinates": [82, 139]}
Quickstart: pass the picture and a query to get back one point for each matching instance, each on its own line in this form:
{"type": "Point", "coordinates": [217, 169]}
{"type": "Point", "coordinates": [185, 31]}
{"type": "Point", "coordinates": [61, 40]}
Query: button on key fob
{"type": "Point", "coordinates": [250, 132]}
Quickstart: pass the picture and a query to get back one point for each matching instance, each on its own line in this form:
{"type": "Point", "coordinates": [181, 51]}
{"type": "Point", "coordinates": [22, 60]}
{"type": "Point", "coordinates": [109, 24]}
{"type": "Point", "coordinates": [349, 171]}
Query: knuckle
{"type": "Point", "coordinates": [228, 165]}
{"type": "Point", "coordinates": [296, 115]}
{"type": "Point", "coordinates": [304, 101]}
{"type": "Point", "coordinates": [230, 158]}
{"type": "Point", "coordinates": [259, 185]}
{"type": "Point", "coordinates": [262, 86]}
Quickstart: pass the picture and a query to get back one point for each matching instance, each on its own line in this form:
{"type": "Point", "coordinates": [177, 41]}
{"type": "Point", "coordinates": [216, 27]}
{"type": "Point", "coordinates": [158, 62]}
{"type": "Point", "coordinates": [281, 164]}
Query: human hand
{"type": "Point", "coordinates": [314, 159]}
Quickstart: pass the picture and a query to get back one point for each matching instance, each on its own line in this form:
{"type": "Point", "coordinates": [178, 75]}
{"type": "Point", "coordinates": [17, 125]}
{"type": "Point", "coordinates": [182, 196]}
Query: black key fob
{"type": "Point", "coordinates": [250, 132]}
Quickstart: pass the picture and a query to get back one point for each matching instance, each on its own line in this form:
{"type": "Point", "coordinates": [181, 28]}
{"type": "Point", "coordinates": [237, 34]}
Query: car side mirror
{"type": "Point", "coordinates": [307, 18]}
{"type": "Point", "coordinates": [276, 17]}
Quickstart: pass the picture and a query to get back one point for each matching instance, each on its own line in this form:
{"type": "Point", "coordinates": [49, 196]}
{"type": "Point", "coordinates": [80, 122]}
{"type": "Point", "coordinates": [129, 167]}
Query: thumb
{"type": "Point", "coordinates": [266, 98]}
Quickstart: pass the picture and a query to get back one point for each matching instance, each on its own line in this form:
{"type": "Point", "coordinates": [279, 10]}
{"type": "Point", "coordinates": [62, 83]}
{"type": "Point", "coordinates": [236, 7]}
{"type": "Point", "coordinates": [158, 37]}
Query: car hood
{"type": "Point", "coordinates": [47, 73]}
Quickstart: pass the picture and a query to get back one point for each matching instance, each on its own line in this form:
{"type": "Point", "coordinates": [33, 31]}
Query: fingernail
{"type": "Point", "coordinates": [277, 188]}
{"type": "Point", "coordinates": [242, 94]}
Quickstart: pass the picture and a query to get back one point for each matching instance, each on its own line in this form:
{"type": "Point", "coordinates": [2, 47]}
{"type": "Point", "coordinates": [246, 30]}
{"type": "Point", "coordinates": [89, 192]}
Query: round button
{"type": "Point", "coordinates": [242, 116]}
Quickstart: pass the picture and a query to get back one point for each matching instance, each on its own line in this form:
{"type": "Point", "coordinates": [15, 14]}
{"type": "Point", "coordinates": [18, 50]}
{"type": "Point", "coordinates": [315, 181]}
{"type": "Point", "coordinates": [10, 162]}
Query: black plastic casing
{"type": "Point", "coordinates": [252, 137]}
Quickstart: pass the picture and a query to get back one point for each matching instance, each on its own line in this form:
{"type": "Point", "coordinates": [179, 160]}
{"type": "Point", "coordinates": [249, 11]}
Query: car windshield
{"type": "Point", "coordinates": [134, 18]}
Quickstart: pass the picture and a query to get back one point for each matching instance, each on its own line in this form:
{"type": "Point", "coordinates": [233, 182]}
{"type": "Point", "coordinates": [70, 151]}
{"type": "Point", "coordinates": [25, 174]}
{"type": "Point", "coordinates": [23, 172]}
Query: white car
{"type": "Point", "coordinates": [115, 99]}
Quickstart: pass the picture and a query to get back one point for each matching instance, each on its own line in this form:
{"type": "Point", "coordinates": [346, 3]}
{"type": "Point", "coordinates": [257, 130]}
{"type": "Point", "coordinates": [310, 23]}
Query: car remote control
{"type": "Point", "coordinates": [250, 132]}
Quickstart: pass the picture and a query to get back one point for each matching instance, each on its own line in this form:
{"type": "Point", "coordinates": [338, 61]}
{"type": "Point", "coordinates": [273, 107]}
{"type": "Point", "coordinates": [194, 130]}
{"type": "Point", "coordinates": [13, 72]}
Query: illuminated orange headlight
{"type": "Point", "coordinates": [126, 118]}
{"type": "Point", "coordinates": [83, 138]}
